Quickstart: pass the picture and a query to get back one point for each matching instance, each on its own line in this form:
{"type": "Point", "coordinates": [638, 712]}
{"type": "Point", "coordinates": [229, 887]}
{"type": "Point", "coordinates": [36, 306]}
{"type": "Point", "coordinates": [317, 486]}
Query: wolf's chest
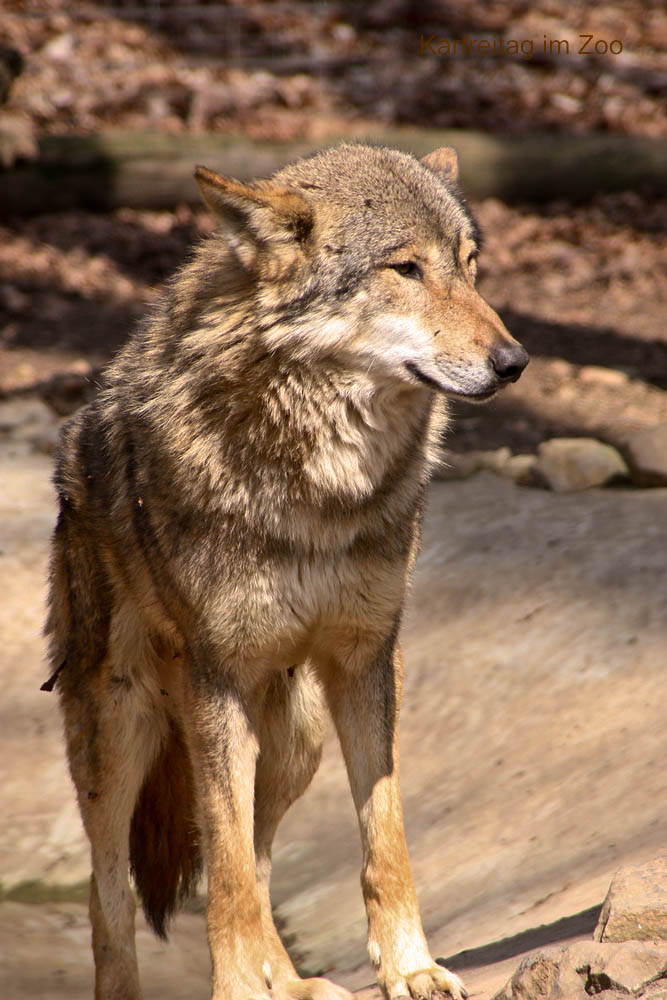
{"type": "Point", "coordinates": [292, 605]}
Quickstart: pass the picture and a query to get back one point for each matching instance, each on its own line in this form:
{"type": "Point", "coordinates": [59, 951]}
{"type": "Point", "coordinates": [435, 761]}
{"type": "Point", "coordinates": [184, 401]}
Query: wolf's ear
{"type": "Point", "coordinates": [263, 210]}
{"type": "Point", "coordinates": [443, 162]}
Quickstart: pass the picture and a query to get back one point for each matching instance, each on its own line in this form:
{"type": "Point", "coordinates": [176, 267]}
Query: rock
{"type": "Point", "coordinates": [629, 966]}
{"type": "Point", "coordinates": [627, 958]}
{"type": "Point", "coordinates": [29, 423]}
{"type": "Point", "coordinates": [597, 375]}
{"type": "Point", "coordinates": [17, 139]}
{"type": "Point", "coordinates": [494, 461]}
{"type": "Point", "coordinates": [646, 454]}
{"type": "Point", "coordinates": [568, 464]}
{"type": "Point", "coordinates": [562, 369]}
{"type": "Point", "coordinates": [636, 904]}
{"type": "Point", "coordinates": [18, 414]}
{"type": "Point", "coordinates": [585, 968]}
{"type": "Point", "coordinates": [504, 463]}
{"type": "Point", "coordinates": [537, 976]}
{"type": "Point", "coordinates": [454, 465]}
{"type": "Point", "coordinates": [520, 468]}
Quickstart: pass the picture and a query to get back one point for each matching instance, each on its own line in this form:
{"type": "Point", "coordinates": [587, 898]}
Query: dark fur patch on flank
{"type": "Point", "coordinates": [165, 858]}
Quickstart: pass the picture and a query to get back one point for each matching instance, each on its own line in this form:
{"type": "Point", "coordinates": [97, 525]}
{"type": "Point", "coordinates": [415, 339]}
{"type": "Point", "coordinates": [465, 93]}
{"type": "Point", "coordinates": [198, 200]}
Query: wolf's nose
{"type": "Point", "coordinates": [509, 361]}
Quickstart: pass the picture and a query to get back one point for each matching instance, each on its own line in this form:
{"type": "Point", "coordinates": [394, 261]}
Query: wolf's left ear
{"type": "Point", "coordinates": [262, 210]}
{"type": "Point", "coordinates": [443, 162]}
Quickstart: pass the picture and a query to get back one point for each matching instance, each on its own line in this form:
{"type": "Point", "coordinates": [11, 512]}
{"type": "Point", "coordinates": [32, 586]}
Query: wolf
{"type": "Point", "coordinates": [239, 514]}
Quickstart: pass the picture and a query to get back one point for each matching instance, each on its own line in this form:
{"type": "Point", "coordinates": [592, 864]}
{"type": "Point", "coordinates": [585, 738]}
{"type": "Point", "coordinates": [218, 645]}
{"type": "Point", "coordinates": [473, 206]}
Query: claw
{"type": "Point", "coordinates": [450, 983]}
{"type": "Point", "coordinates": [433, 983]}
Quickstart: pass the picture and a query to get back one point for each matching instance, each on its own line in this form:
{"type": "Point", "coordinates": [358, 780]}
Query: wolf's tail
{"type": "Point", "coordinates": [165, 858]}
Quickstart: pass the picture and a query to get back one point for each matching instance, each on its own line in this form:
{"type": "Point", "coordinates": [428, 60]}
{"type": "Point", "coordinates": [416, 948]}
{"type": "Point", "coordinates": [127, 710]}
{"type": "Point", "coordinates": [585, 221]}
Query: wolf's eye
{"type": "Point", "coordinates": [408, 269]}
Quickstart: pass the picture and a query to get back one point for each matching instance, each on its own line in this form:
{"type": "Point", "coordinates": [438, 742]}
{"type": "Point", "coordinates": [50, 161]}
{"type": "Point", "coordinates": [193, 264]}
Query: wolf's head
{"type": "Point", "coordinates": [367, 257]}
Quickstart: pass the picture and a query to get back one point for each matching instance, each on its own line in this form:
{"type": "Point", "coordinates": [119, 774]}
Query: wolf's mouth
{"type": "Point", "coordinates": [421, 377]}
{"type": "Point", "coordinates": [476, 397]}
{"type": "Point", "coordinates": [472, 397]}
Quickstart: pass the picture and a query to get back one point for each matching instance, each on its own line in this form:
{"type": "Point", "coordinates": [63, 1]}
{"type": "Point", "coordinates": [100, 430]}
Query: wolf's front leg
{"type": "Point", "coordinates": [224, 747]}
{"type": "Point", "coordinates": [364, 694]}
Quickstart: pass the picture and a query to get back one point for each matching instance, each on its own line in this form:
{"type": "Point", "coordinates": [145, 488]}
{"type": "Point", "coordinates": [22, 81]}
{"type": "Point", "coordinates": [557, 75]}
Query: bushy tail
{"type": "Point", "coordinates": [165, 859]}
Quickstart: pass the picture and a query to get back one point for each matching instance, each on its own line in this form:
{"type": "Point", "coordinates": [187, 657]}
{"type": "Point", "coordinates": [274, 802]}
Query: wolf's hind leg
{"type": "Point", "coordinates": [291, 735]}
{"type": "Point", "coordinates": [110, 748]}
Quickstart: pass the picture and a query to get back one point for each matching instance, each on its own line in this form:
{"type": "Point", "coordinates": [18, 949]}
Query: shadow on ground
{"type": "Point", "coordinates": [536, 937]}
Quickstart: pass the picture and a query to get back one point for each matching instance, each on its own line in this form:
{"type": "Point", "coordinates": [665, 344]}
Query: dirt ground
{"type": "Point", "coordinates": [532, 731]}
{"type": "Point", "coordinates": [291, 68]}
{"type": "Point", "coordinates": [533, 728]}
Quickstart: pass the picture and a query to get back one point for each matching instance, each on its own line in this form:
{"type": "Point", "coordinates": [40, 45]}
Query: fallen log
{"type": "Point", "coordinates": [154, 170]}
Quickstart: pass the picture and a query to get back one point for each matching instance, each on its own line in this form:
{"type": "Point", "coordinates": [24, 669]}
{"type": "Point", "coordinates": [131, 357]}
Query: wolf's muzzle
{"type": "Point", "coordinates": [508, 361]}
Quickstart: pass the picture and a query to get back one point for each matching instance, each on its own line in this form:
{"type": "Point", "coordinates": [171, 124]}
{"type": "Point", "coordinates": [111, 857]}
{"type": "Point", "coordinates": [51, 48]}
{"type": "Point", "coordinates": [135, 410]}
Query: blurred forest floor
{"type": "Point", "coordinates": [585, 287]}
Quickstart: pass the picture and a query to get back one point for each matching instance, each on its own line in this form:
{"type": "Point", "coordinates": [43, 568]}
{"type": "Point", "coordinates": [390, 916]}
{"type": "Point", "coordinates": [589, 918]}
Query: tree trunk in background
{"type": "Point", "coordinates": [154, 170]}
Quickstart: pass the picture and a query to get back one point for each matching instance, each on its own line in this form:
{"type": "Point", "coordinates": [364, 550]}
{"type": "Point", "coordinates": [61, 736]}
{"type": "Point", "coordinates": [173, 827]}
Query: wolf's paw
{"type": "Point", "coordinates": [312, 989]}
{"type": "Point", "coordinates": [428, 984]}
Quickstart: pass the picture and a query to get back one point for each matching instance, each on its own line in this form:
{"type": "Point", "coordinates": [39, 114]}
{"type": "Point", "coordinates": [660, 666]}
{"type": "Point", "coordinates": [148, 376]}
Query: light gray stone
{"type": "Point", "coordinates": [520, 468]}
{"type": "Point", "coordinates": [495, 460]}
{"type": "Point", "coordinates": [646, 454]}
{"type": "Point", "coordinates": [456, 465]}
{"type": "Point", "coordinates": [29, 423]}
{"type": "Point", "coordinates": [569, 464]}
{"type": "Point", "coordinates": [636, 904]}
{"type": "Point", "coordinates": [597, 375]}
{"type": "Point", "coordinates": [18, 414]}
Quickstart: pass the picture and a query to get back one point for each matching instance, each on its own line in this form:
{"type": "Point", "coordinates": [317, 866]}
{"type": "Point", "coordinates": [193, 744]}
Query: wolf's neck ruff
{"type": "Point", "coordinates": [267, 405]}
{"type": "Point", "coordinates": [307, 447]}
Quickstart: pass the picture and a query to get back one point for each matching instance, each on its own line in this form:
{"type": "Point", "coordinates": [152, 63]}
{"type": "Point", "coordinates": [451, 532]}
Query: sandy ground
{"type": "Point", "coordinates": [533, 745]}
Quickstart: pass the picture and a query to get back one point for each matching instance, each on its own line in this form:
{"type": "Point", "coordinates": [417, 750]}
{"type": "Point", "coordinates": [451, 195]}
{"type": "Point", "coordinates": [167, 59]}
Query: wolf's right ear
{"type": "Point", "coordinates": [263, 211]}
{"type": "Point", "coordinates": [443, 162]}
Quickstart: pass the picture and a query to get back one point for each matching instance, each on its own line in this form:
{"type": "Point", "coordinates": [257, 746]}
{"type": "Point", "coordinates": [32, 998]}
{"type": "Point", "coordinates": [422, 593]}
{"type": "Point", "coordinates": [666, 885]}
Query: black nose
{"type": "Point", "coordinates": [509, 361]}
